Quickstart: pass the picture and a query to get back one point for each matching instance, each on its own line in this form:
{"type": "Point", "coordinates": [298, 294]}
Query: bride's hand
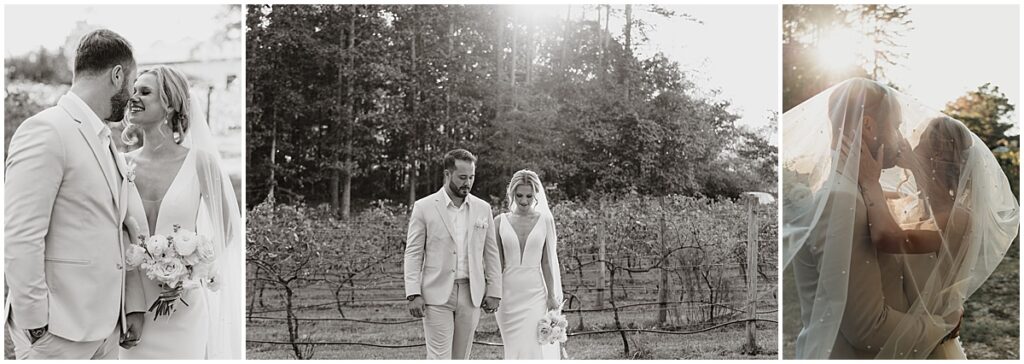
{"type": "Point", "coordinates": [956, 330]}
{"type": "Point", "coordinates": [552, 303]}
{"type": "Point", "coordinates": [171, 294]}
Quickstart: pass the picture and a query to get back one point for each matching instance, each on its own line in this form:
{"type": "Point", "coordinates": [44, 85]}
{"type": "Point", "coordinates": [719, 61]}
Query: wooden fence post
{"type": "Point", "coordinates": [601, 285]}
{"type": "Point", "coordinates": [751, 274]}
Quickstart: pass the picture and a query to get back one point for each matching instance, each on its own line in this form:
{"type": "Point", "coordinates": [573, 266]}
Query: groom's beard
{"type": "Point", "coordinates": [119, 104]}
{"type": "Point", "coordinates": [461, 191]}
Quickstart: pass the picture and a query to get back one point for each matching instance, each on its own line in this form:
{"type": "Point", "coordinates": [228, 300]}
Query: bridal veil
{"type": "Point", "coordinates": [942, 187]}
{"type": "Point", "coordinates": [219, 218]}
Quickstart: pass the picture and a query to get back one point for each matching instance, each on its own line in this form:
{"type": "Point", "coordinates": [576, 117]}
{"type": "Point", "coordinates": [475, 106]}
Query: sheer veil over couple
{"type": "Point", "coordinates": [894, 215]}
{"type": "Point", "coordinates": [460, 260]}
{"type": "Point", "coordinates": [74, 204]}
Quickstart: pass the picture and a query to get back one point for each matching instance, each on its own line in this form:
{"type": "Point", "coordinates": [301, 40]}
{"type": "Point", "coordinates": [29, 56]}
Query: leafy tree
{"type": "Point", "coordinates": [356, 103]}
{"type": "Point", "coordinates": [985, 111]}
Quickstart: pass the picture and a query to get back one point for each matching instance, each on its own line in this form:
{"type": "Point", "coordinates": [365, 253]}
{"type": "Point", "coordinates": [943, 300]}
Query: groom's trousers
{"type": "Point", "coordinates": [449, 328]}
{"type": "Point", "coordinates": [51, 346]}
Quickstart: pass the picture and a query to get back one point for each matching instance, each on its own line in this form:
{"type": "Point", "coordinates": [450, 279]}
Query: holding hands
{"type": "Point", "coordinates": [490, 304]}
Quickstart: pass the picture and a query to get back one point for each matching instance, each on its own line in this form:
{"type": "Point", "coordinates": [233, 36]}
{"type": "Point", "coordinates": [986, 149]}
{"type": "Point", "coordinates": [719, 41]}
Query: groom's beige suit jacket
{"type": "Point", "coordinates": [430, 255]}
{"type": "Point", "coordinates": [63, 230]}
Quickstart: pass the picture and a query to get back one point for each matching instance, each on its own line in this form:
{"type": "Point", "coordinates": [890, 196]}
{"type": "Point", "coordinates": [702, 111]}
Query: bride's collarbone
{"type": "Point", "coordinates": [175, 153]}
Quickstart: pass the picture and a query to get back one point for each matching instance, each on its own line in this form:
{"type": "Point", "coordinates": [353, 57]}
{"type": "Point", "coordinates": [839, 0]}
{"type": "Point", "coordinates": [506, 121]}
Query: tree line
{"type": "Point", "coordinates": [348, 104]}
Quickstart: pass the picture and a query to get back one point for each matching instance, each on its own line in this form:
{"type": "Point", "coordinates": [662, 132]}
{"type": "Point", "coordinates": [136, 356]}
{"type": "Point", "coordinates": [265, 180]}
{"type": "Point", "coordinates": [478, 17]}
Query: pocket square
{"type": "Point", "coordinates": [482, 223]}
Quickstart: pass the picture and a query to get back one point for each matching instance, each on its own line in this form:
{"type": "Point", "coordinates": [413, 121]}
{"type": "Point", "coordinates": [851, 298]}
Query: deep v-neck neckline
{"type": "Point", "coordinates": [160, 202]}
{"type": "Point", "coordinates": [521, 244]}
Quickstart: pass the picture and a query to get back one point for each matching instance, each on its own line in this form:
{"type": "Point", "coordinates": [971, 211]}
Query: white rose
{"type": "Point", "coordinates": [134, 256]}
{"type": "Point", "coordinates": [204, 249]}
{"type": "Point", "coordinates": [184, 242]}
{"type": "Point", "coordinates": [156, 245]}
{"type": "Point", "coordinates": [168, 271]}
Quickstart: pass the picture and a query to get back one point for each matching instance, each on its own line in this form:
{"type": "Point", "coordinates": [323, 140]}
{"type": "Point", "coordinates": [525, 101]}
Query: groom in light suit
{"type": "Point", "coordinates": [875, 304]}
{"type": "Point", "coordinates": [452, 267]}
{"type": "Point", "coordinates": [64, 233]}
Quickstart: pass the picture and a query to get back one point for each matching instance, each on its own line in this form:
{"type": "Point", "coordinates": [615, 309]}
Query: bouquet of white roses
{"type": "Point", "coordinates": [553, 328]}
{"type": "Point", "coordinates": [179, 261]}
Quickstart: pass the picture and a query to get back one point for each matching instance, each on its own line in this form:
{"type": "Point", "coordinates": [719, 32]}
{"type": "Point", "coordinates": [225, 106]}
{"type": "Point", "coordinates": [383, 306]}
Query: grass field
{"type": "Point", "coordinates": [364, 304]}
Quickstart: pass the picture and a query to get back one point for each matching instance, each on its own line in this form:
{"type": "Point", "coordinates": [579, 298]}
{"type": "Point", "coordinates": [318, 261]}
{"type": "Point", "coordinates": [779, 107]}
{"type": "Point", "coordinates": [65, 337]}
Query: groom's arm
{"type": "Point", "coordinates": [492, 263]}
{"type": "Point", "coordinates": [34, 173]}
{"type": "Point", "coordinates": [869, 327]}
{"type": "Point", "coordinates": [868, 322]}
{"type": "Point", "coordinates": [415, 240]}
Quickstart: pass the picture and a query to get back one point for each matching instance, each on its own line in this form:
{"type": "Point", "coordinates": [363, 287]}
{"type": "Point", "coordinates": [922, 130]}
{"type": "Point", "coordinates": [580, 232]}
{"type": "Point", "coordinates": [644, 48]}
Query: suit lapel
{"type": "Point", "coordinates": [122, 170]}
{"type": "Point", "coordinates": [442, 209]}
{"type": "Point", "coordinates": [94, 144]}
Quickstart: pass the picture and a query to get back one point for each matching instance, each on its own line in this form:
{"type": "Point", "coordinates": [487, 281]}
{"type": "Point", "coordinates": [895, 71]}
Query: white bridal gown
{"type": "Point", "coordinates": [185, 333]}
{"type": "Point", "coordinates": [524, 294]}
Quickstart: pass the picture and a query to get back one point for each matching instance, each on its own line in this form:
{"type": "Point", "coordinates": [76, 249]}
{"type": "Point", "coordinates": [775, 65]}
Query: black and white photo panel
{"type": "Point", "coordinates": [123, 235]}
{"type": "Point", "coordinates": [512, 181]}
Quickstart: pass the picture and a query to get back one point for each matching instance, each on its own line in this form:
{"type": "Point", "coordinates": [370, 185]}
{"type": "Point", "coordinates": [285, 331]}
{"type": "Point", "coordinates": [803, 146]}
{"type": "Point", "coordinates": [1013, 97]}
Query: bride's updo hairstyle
{"type": "Point", "coordinates": [173, 87]}
{"type": "Point", "coordinates": [522, 177]}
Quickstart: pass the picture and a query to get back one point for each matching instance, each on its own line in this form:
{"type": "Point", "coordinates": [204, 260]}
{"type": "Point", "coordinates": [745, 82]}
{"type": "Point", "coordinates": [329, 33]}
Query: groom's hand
{"type": "Point", "coordinates": [133, 333]}
{"type": "Point", "coordinates": [416, 306]}
{"type": "Point", "coordinates": [490, 304]}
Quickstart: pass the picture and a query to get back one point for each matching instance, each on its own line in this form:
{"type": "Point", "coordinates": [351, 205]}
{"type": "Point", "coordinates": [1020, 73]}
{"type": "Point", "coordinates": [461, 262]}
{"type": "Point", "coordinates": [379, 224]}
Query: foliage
{"type": "Point", "coordinates": [375, 95]}
{"type": "Point", "coordinates": [42, 66]}
{"type": "Point", "coordinates": [985, 111]}
{"type": "Point", "coordinates": [805, 27]}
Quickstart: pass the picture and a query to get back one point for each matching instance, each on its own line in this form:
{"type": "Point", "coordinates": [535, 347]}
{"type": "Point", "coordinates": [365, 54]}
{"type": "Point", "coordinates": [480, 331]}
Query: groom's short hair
{"type": "Point", "coordinates": [101, 49]}
{"type": "Point", "coordinates": [457, 154]}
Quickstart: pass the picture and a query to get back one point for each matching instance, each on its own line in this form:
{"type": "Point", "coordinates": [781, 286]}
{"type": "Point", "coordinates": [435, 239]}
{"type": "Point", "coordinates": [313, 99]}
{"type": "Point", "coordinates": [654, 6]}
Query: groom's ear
{"type": "Point", "coordinates": [869, 126]}
{"type": "Point", "coordinates": [117, 75]}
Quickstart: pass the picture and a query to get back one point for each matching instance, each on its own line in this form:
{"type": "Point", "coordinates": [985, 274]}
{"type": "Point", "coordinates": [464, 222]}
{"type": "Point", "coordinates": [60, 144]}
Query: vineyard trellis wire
{"type": "Point", "coordinates": [359, 263]}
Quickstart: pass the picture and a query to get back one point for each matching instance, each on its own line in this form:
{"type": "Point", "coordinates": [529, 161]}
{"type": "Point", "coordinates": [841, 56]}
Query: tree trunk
{"type": "Point", "coordinates": [273, 154]}
{"type": "Point", "coordinates": [512, 58]}
{"type": "Point", "coordinates": [565, 39]}
{"type": "Point", "coordinates": [415, 148]}
{"type": "Point", "coordinates": [346, 196]}
{"type": "Point", "coordinates": [629, 49]}
{"type": "Point", "coordinates": [604, 41]}
{"type": "Point", "coordinates": [499, 48]}
{"type": "Point", "coordinates": [530, 49]}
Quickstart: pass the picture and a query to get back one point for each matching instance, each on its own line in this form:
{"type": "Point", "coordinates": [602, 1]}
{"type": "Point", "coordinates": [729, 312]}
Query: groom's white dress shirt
{"type": "Point", "coordinates": [459, 216]}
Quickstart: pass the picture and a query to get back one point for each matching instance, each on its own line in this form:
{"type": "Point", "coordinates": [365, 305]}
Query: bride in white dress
{"type": "Point", "coordinates": [887, 236]}
{"type": "Point", "coordinates": [178, 181]}
{"type": "Point", "coordinates": [531, 277]}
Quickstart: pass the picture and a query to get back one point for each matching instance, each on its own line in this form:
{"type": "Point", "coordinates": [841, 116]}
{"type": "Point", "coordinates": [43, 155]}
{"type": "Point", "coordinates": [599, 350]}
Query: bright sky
{"type": "Point", "coordinates": [734, 51]}
{"type": "Point", "coordinates": [27, 27]}
{"type": "Point", "coordinates": [954, 49]}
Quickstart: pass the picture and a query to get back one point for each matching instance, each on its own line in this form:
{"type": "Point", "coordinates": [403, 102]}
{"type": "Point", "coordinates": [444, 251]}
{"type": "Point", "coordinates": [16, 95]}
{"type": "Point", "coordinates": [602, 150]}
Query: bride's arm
{"type": "Point", "coordinates": [886, 233]}
{"type": "Point", "coordinates": [546, 265]}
